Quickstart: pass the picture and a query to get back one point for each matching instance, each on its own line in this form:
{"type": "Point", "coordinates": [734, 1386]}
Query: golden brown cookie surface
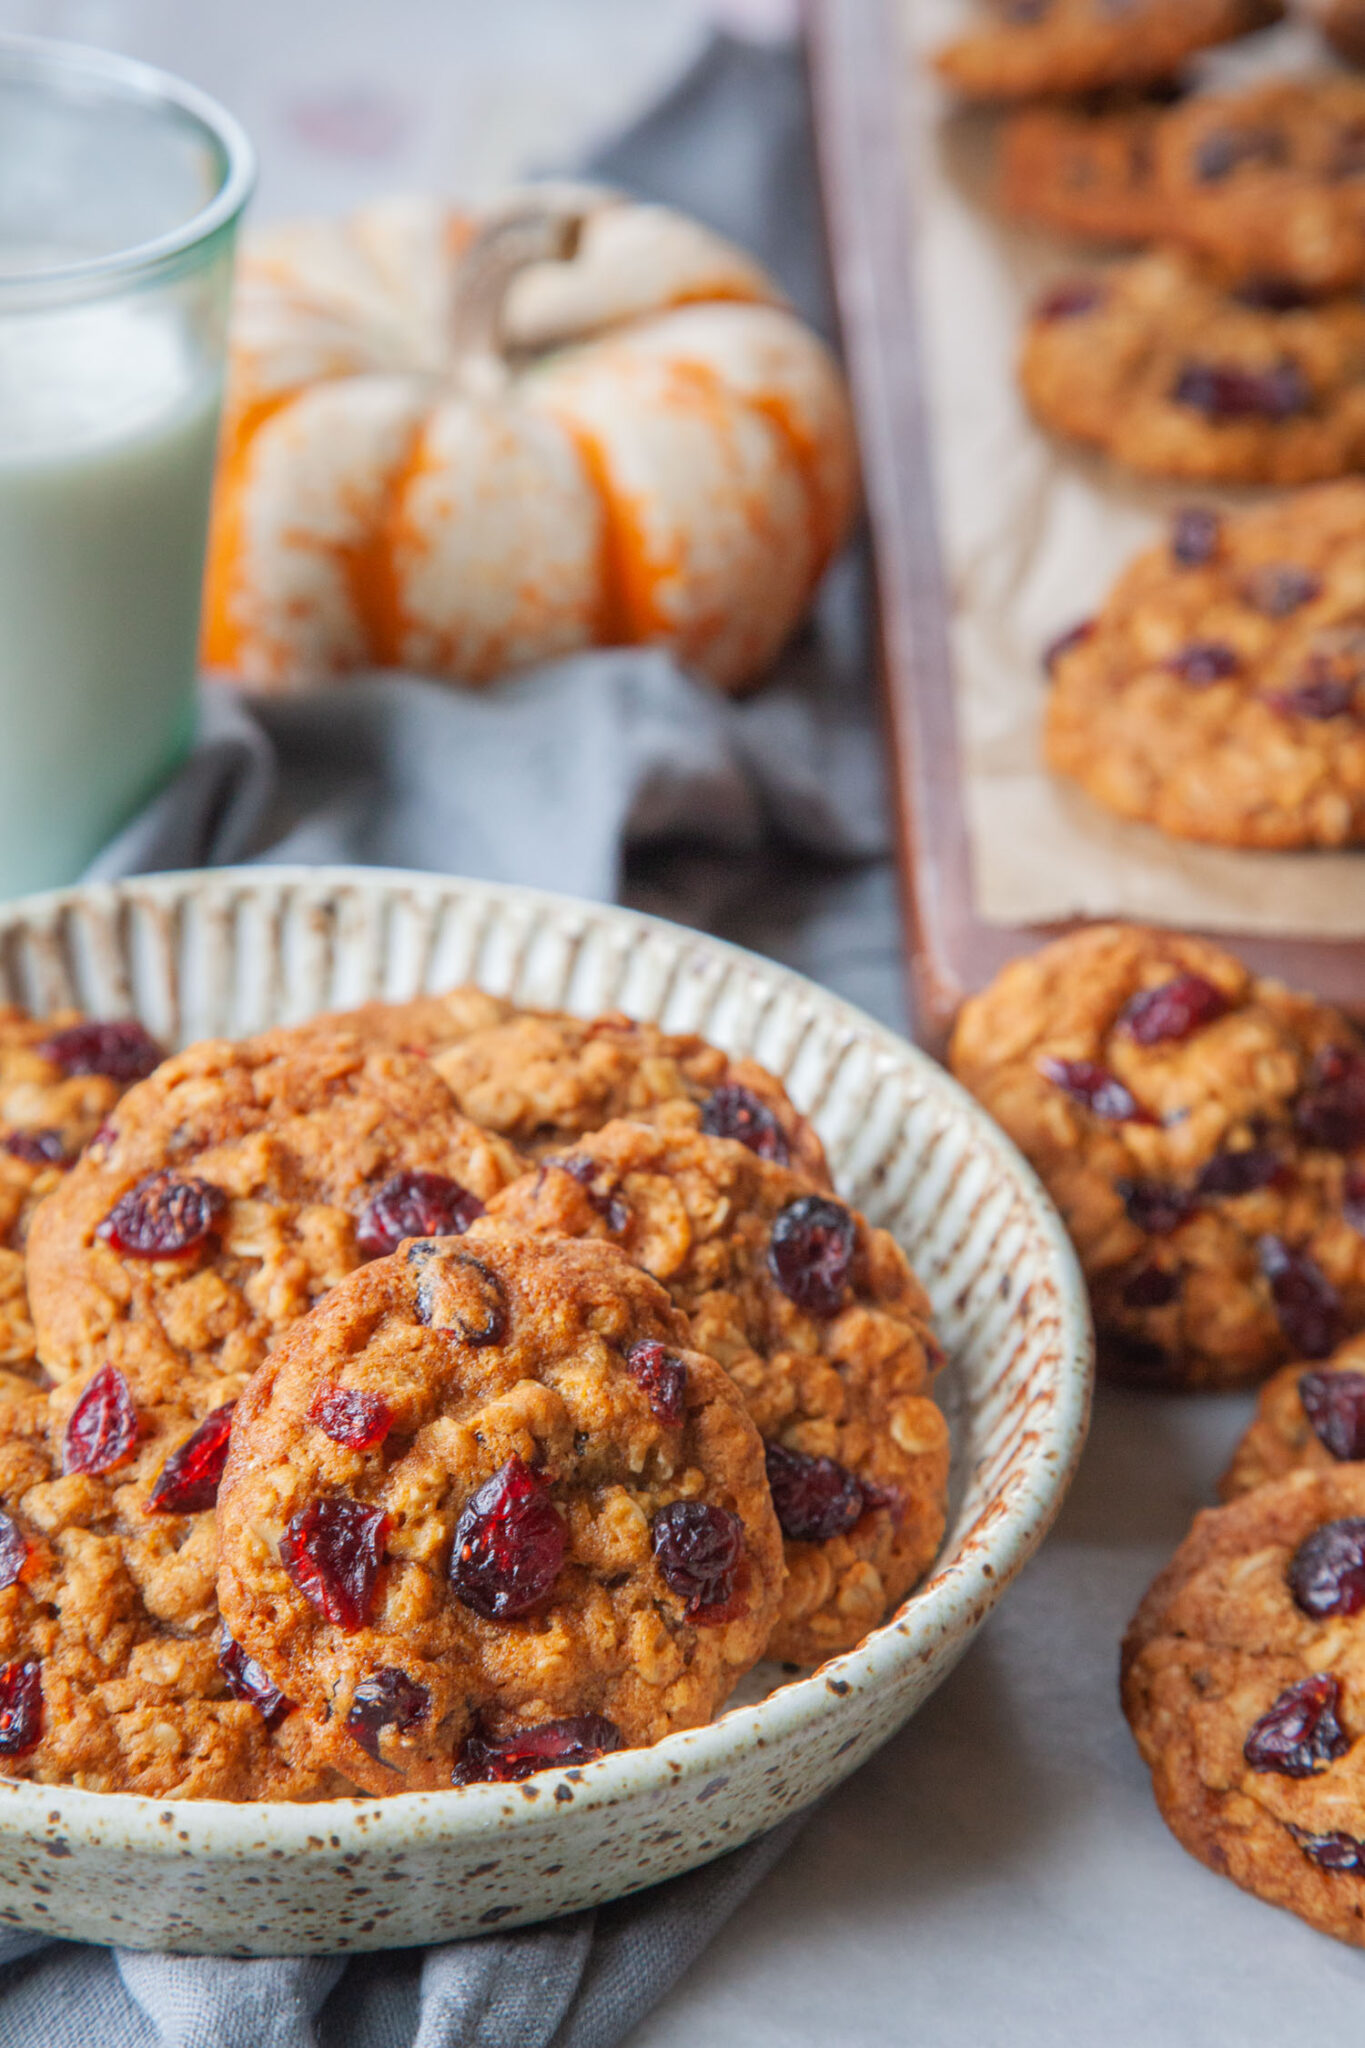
{"type": "Point", "coordinates": [822, 1326]}
{"type": "Point", "coordinates": [421, 1024]}
{"type": "Point", "coordinates": [1089, 174]}
{"type": "Point", "coordinates": [1220, 692]}
{"type": "Point", "coordinates": [1244, 1685]}
{"type": "Point", "coordinates": [234, 1188]}
{"type": "Point", "coordinates": [1172, 374]}
{"type": "Point", "coordinates": [487, 1496]}
{"type": "Point", "coordinates": [1035, 49]}
{"type": "Point", "coordinates": [113, 1675]}
{"type": "Point", "coordinates": [1202, 1133]}
{"type": "Point", "coordinates": [542, 1079]}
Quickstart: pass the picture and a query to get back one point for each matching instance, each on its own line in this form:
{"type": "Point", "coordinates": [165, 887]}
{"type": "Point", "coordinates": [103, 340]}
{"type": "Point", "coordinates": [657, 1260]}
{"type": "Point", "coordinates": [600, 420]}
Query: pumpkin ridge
{"type": "Point", "coordinates": [221, 632]}
{"type": "Point", "coordinates": [626, 611]}
{"type": "Point", "coordinates": [371, 567]}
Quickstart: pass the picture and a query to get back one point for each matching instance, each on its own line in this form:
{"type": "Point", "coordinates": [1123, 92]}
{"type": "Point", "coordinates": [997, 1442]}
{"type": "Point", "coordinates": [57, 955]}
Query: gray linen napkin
{"type": "Point", "coordinates": [610, 775]}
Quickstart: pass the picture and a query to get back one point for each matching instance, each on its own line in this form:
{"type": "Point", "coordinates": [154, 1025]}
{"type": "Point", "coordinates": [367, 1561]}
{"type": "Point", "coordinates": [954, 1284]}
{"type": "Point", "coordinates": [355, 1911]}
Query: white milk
{"type": "Point", "coordinates": [108, 422]}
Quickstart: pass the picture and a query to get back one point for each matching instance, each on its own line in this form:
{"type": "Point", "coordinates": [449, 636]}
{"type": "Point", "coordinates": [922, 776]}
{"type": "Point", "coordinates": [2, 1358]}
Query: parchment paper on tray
{"type": "Point", "coordinates": [1033, 534]}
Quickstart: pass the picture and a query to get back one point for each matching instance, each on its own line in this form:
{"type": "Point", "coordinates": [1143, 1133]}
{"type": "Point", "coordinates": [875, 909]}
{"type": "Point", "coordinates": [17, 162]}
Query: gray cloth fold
{"type": "Point", "coordinates": [612, 774]}
{"type": "Point", "coordinates": [558, 776]}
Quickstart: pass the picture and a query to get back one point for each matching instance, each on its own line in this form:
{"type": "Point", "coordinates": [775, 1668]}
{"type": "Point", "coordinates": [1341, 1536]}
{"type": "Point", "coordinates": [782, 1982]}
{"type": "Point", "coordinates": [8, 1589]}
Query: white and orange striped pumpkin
{"type": "Point", "coordinates": [461, 444]}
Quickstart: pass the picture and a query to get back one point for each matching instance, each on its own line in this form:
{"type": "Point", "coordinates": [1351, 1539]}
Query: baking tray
{"type": "Point", "coordinates": [857, 63]}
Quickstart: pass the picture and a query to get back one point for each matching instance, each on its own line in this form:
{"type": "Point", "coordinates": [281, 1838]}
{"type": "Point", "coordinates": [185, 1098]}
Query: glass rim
{"type": "Point", "coordinates": [49, 60]}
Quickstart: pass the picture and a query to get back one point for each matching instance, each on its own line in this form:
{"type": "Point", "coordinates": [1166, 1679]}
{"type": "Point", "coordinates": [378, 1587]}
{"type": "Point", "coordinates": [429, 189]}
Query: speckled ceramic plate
{"type": "Point", "coordinates": [233, 951]}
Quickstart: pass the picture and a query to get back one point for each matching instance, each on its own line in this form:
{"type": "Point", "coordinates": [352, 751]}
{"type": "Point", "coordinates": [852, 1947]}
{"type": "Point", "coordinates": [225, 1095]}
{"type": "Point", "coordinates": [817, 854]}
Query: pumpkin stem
{"type": "Point", "coordinates": [537, 231]}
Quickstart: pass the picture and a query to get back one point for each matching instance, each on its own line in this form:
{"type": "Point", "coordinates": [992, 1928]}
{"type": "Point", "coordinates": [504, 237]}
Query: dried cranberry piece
{"type": "Point", "coordinates": [1334, 1403]}
{"type": "Point", "coordinates": [1348, 149]}
{"type": "Point", "coordinates": [1239, 1173]}
{"type": "Point", "coordinates": [605, 1200]}
{"type": "Point", "coordinates": [163, 1217]}
{"type": "Point", "coordinates": [1305, 1299]}
{"type": "Point", "coordinates": [507, 1759]}
{"type": "Point", "coordinates": [1272, 295]}
{"type": "Point", "coordinates": [103, 1429]}
{"type": "Point", "coordinates": [1154, 1205]}
{"type": "Point", "coordinates": [1203, 662]}
{"type": "Point", "coordinates": [1327, 1571]}
{"type": "Point", "coordinates": [1331, 1111]}
{"type": "Point", "coordinates": [815, 1498]}
{"type": "Point", "coordinates": [347, 1416]}
{"type": "Point", "coordinates": [663, 1377]}
{"type": "Point", "coordinates": [1196, 536]}
{"type": "Point", "coordinates": [13, 1549]}
{"type": "Point", "coordinates": [1223, 151]}
{"type": "Point", "coordinates": [388, 1699]}
{"type": "Point", "coordinates": [1230, 391]}
{"type": "Point", "coordinates": [1068, 300]}
{"type": "Point", "coordinates": [1139, 1359]}
{"type": "Point", "coordinates": [1174, 1010]}
{"type": "Point", "coordinates": [119, 1049]}
{"type": "Point", "coordinates": [1353, 1198]}
{"type": "Point", "coordinates": [1075, 636]}
{"type": "Point", "coordinates": [21, 1708]}
{"type": "Point", "coordinates": [699, 1549]}
{"type": "Point", "coordinates": [332, 1550]}
{"type": "Point", "coordinates": [1337, 1852]}
{"type": "Point", "coordinates": [734, 1111]}
{"type": "Point", "coordinates": [1152, 1287]}
{"type": "Point", "coordinates": [1096, 1089]}
{"type": "Point", "coordinates": [188, 1481]}
{"type": "Point", "coordinates": [1328, 697]}
{"type": "Point", "coordinates": [1300, 1732]}
{"type": "Point", "coordinates": [1278, 588]}
{"type": "Point", "coordinates": [36, 1148]}
{"type": "Point", "coordinates": [810, 1253]}
{"type": "Point", "coordinates": [246, 1680]}
{"type": "Point", "coordinates": [414, 1205]}
{"type": "Point", "coordinates": [509, 1544]}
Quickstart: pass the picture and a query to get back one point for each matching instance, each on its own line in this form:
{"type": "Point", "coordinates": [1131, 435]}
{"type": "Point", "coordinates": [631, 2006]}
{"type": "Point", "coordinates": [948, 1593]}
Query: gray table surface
{"type": "Point", "coordinates": [998, 1874]}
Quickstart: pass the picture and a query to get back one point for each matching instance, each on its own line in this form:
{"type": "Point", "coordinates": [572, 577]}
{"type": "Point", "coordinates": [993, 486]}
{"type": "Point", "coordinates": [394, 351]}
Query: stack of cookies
{"type": "Point", "coordinates": [427, 1395]}
{"type": "Point", "coordinates": [1219, 693]}
{"type": "Point", "coordinates": [1203, 1133]}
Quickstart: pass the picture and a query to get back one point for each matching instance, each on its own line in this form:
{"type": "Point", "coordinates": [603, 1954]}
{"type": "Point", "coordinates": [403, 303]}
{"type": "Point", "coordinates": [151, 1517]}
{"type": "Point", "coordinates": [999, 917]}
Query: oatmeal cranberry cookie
{"type": "Point", "coordinates": [59, 1078]}
{"type": "Point", "coordinates": [1088, 174]}
{"type": "Point", "coordinates": [1269, 182]}
{"type": "Point", "coordinates": [115, 1675]}
{"type": "Point", "coordinates": [542, 1079]}
{"type": "Point", "coordinates": [1244, 1685]}
{"type": "Point", "coordinates": [1220, 693]}
{"type": "Point", "coordinates": [1173, 374]}
{"type": "Point", "coordinates": [1310, 1415]}
{"type": "Point", "coordinates": [1035, 49]}
{"type": "Point", "coordinates": [232, 1189]}
{"type": "Point", "coordinates": [485, 1510]}
{"type": "Point", "coordinates": [822, 1326]}
{"type": "Point", "coordinates": [1202, 1133]}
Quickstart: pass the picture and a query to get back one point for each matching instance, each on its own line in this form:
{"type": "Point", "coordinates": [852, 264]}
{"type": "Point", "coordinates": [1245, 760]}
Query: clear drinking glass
{"type": "Point", "coordinates": [120, 193]}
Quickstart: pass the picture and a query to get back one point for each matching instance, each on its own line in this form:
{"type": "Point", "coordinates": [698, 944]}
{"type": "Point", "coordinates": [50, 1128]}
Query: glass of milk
{"type": "Point", "coordinates": [120, 193]}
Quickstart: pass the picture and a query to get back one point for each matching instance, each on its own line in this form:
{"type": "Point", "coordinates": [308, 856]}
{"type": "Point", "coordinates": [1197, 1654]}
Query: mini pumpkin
{"type": "Point", "coordinates": [461, 444]}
